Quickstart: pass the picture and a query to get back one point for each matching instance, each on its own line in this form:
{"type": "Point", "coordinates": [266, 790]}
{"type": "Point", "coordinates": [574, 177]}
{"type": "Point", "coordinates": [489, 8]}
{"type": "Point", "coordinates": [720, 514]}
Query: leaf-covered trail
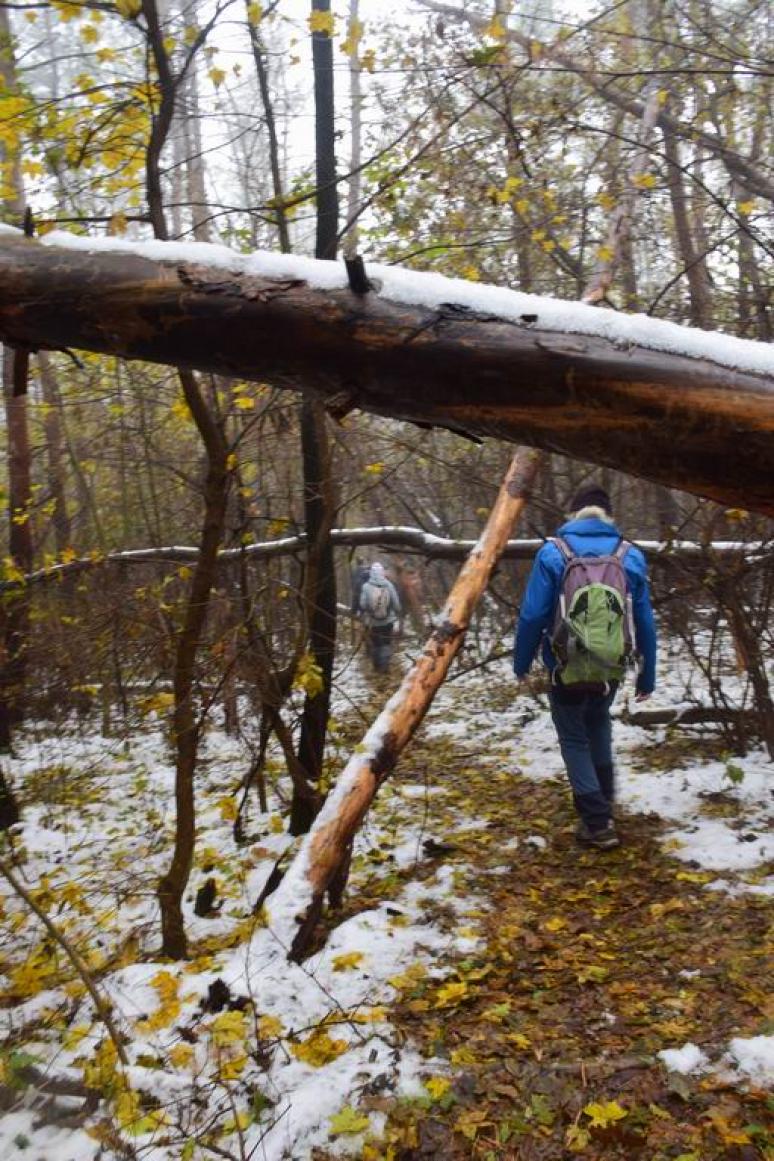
{"type": "Point", "coordinates": [588, 964]}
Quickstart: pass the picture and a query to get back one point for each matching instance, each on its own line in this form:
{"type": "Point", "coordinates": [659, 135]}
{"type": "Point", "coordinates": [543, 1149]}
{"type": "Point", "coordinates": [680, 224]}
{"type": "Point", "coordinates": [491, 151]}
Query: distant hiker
{"type": "Point", "coordinates": [410, 591]}
{"type": "Point", "coordinates": [587, 600]}
{"type": "Point", "coordinates": [379, 609]}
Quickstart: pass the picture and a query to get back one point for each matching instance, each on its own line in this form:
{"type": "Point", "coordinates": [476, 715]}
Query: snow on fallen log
{"type": "Point", "coordinates": [423, 288]}
{"type": "Point", "coordinates": [683, 407]}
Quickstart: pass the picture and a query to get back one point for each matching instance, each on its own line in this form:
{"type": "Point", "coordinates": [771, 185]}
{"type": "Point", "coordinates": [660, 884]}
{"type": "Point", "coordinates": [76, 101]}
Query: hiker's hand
{"type": "Point", "coordinates": [642, 696]}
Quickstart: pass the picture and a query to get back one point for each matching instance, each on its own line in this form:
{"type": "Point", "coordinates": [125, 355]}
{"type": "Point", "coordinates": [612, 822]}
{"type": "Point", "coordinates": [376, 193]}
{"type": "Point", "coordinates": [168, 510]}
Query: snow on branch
{"type": "Point", "coordinates": [396, 536]}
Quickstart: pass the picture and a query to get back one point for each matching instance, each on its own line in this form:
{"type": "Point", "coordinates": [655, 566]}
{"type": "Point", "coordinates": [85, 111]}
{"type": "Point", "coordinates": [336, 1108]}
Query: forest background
{"type": "Point", "coordinates": [546, 147]}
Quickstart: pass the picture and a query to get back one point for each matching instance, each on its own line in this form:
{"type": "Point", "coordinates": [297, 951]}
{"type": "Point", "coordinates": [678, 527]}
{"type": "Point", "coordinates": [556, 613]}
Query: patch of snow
{"type": "Point", "coordinates": [689, 1058]}
{"type": "Point", "coordinates": [754, 1057]}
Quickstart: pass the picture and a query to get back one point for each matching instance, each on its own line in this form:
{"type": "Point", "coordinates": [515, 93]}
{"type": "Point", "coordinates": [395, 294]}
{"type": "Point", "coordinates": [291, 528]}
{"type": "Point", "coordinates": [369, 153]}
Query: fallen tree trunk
{"type": "Point", "coordinates": [326, 848]}
{"type": "Point", "coordinates": [690, 715]}
{"type": "Point", "coordinates": [688, 422]}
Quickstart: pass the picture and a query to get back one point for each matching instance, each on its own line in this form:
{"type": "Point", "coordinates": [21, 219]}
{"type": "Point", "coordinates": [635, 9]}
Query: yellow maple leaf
{"type": "Point", "coordinates": [309, 676]}
{"type": "Point", "coordinates": [437, 1086]}
{"type": "Point", "coordinates": [451, 994]}
{"type": "Point", "coordinates": [270, 1027]}
{"type": "Point", "coordinates": [644, 180]}
{"type": "Point", "coordinates": [228, 808]}
{"type": "Point", "coordinates": [604, 1113]}
{"type": "Point", "coordinates": [100, 1069]}
{"type": "Point", "coordinates": [321, 22]}
{"type": "Point", "coordinates": [180, 410]}
{"type": "Point", "coordinates": [228, 1029]}
{"type": "Point", "coordinates": [495, 30]}
{"type": "Point", "coordinates": [254, 13]}
{"type": "Point", "coordinates": [349, 959]}
{"type": "Point", "coordinates": [576, 1138]}
{"type": "Point", "coordinates": [180, 1055]}
{"type": "Point", "coordinates": [157, 703]}
{"type": "Point", "coordinates": [348, 1121]}
{"type": "Point", "coordinates": [319, 1049]}
{"type": "Point", "coordinates": [73, 1036]}
{"type": "Point", "coordinates": [217, 76]}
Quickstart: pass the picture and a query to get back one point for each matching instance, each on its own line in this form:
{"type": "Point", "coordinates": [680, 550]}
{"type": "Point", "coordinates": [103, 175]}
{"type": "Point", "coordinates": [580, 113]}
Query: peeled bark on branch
{"type": "Point", "coordinates": [685, 422]}
{"type": "Point", "coordinates": [326, 847]}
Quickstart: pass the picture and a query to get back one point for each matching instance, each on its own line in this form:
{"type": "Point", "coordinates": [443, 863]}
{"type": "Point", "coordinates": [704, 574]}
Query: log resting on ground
{"type": "Point", "coordinates": [684, 422]}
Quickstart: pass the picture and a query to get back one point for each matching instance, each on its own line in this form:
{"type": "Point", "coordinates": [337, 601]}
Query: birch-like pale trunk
{"type": "Point", "coordinates": [354, 183]}
{"type": "Point", "coordinates": [620, 225]}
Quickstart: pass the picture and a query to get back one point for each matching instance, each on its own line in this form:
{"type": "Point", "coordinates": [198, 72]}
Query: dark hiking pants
{"type": "Point", "coordinates": [380, 646]}
{"type": "Point", "coordinates": [582, 722]}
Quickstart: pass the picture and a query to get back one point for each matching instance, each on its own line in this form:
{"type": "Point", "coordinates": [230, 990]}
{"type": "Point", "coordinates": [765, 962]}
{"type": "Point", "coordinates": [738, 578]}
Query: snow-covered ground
{"type": "Point", "coordinates": [304, 1041]}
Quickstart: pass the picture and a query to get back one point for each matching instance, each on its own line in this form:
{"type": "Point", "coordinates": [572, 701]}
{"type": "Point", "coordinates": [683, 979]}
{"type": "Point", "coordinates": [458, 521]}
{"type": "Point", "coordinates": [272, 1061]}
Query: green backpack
{"type": "Point", "coordinates": [593, 631]}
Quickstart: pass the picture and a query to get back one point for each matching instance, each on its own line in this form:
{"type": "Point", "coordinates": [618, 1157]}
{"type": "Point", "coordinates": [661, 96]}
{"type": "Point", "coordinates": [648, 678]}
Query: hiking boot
{"type": "Point", "coordinates": [605, 838]}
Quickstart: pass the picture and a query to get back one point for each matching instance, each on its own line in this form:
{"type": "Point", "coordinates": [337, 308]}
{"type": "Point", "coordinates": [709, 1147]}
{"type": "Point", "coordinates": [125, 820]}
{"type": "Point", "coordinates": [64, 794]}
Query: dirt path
{"type": "Point", "coordinates": [588, 964]}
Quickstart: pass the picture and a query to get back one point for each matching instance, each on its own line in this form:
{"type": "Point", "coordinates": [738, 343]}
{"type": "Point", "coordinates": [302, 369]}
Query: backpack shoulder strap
{"type": "Point", "coordinates": [623, 548]}
{"type": "Point", "coordinates": [563, 547]}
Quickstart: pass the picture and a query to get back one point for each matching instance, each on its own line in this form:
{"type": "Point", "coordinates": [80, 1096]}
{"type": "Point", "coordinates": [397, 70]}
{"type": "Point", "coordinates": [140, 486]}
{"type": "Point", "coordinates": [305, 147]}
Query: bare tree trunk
{"type": "Point", "coordinates": [619, 229]}
{"type": "Point", "coordinates": [320, 603]}
{"type": "Point", "coordinates": [15, 372]}
{"type": "Point", "coordinates": [327, 197]}
{"type": "Point", "coordinates": [753, 296]}
{"type": "Point", "coordinates": [355, 104]}
{"type": "Point", "coordinates": [55, 453]}
{"type": "Point", "coordinates": [326, 848]}
{"type": "Point", "coordinates": [259, 58]}
{"type": "Point", "coordinates": [186, 722]}
{"type": "Point", "coordinates": [320, 586]}
{"type": "Point", "coordinates": [692, 261]}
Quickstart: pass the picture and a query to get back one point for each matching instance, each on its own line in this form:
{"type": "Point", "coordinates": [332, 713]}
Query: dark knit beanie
{"type": "Point", "coordinates": [591, 496]}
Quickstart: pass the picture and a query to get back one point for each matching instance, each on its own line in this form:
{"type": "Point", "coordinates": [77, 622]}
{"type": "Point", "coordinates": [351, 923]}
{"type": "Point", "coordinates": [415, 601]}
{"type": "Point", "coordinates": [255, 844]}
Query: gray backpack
{"type": "Point", "coordinates": [376, 601]}
{"type": "Point", "coordinates": [593, 632]}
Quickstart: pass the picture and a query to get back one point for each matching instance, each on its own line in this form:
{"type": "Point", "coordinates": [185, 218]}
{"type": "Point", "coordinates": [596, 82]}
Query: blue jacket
{"type": "Point", "coordinates": [587, 537]}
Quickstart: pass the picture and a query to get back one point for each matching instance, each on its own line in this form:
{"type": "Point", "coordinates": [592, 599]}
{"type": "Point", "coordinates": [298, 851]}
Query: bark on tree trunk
{"type": "Point", "coordinates": [14, 614]}
{"type": "Point", "coordinates": [326, 847]}
{"type": "Point", "coordinates": [185, 720]}
{"type": "Point", "coordinates": [327, 198]}
{"type": "Point", "coordinates": [693, 263]}
{"type": "Point", "coordinates": [683, 422]}
{"type": "Point", "coordinates": [55, 454]}
{"type": "Point", "coordinates": [320, 585]}
{"type": "Point", "coordinates": [16, 610]}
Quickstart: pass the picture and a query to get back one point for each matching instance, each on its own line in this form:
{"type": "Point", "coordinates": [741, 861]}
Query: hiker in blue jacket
{"type": "Point", "coordinates": [582, 715]}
